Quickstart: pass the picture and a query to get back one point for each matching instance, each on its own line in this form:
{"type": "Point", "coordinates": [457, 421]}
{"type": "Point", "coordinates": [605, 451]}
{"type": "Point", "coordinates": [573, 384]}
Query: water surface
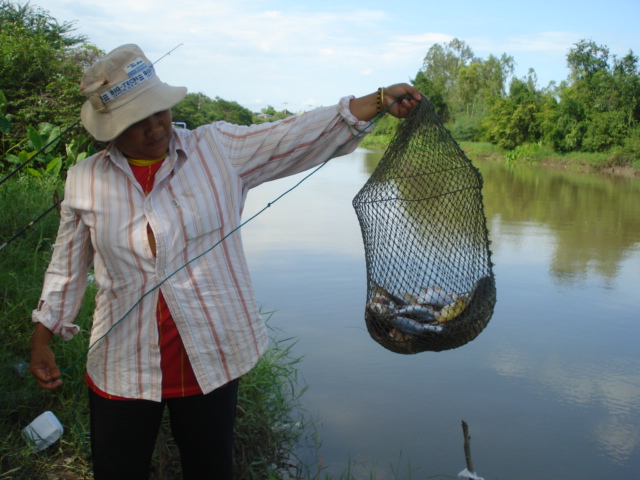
{"type": "Point", "coordinates": [550, 389]}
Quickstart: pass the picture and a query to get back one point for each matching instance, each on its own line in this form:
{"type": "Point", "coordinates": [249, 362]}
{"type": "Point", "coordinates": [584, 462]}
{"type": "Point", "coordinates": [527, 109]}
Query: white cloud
{"type": "Point", "coordinates": [249, 49]}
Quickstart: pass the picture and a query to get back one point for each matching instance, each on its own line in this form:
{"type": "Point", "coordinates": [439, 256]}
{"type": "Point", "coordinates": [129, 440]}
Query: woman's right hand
{"type": "Point", "coordinates": [43, 363]}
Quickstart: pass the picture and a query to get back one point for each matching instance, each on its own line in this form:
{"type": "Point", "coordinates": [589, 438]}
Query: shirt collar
{"type": "Point", "coordinates": [176, 150]}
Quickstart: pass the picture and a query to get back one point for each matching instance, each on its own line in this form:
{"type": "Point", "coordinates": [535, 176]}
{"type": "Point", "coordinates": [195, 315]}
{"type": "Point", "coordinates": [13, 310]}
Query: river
{"type": "Point", "coordinates": [550, 389]}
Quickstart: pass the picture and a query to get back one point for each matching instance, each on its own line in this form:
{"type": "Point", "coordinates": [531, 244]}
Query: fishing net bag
{"type": "Point", "coordinates": [430, 284]}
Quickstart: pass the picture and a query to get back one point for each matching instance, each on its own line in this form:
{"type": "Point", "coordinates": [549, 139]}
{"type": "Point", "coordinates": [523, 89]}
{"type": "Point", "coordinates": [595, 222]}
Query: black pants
{"type": "Point", "coordinates": [123, 434]}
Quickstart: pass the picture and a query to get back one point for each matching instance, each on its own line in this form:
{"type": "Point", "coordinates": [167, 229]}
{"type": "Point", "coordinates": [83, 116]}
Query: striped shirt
{"type": "Point", "coordinates": [197, 200]}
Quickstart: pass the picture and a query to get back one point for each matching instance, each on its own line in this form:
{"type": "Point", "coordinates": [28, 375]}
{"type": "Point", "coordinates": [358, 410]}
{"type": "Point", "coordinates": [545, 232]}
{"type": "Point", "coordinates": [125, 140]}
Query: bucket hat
{"type": "Point", "coordinates": [122, 88]}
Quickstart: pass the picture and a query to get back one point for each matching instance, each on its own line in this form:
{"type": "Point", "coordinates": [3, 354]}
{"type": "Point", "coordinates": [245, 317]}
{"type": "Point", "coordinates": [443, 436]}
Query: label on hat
{"type": "Point", "coordinates": [135, 66]}
{"type": "Point", "coordinates": [134, 81]}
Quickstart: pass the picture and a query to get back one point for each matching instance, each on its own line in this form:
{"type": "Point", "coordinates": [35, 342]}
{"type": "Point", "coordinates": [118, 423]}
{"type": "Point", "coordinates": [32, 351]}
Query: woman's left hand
{"type": "Point", "coordinates": [368, 107]}
{"type": "Point", "coordinates": [402, 108]}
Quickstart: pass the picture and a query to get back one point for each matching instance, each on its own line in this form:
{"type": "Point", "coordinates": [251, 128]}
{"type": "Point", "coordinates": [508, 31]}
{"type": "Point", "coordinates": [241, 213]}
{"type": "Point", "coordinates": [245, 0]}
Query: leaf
{"type": "Point", "coordinates": [17, 159]}
{"type": "Point", "coordinates": [5, 124]}
{"type": "Point", "coordinates": [34, 138]}
{"type": "Point", "coordinates": [55, 165]}
{"type": "Point", "coordinates": [12, 159]}
{"type": "Point", "coordinates": [54, 135]}
{"type": "Point", "coordinates": [34, 172]}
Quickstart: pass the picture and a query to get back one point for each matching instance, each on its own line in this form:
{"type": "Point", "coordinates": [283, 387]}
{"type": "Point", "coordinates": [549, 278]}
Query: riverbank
{"type": "Point", "coordinates": [269, 425]}
{"type": "Point", "coordinates": [599, 163]}
{"type": "Point", "coordinates": [584, 162]}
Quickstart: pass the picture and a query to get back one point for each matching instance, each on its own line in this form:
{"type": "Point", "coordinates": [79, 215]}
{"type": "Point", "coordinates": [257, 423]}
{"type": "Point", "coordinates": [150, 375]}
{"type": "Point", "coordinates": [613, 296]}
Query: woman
{"type": "Point", "coordinates": [176, 321]}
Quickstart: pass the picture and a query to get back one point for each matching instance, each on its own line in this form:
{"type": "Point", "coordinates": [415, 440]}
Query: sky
{"type": "Point", "coordinates": [301, 55]}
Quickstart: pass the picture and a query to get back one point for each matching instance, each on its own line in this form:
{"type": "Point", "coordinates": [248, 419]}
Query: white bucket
{"type": "Point", "coordinates": [43, 431]}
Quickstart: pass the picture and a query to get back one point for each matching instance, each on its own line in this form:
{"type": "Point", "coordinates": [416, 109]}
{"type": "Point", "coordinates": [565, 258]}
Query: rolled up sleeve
{"type": "Point", "coordinates": [66, 278]}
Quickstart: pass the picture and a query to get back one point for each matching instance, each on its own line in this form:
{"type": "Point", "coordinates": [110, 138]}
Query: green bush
{"type": "Point", "coordinates": [467, 128]}
{"type": "Point", "coordinates": [269, 424]}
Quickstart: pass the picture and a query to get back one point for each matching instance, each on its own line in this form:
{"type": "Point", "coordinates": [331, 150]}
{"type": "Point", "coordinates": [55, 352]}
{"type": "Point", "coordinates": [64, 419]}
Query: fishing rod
{"type": "Point", "coordinates": [268, 205]}
{"type": "Point", "coordinates": [30, 159]}
{"type": "Point", "coordinates": [57, 201]}
{"type": "Point", "coordinates": [31, 224]}
{"type": "Point", "coordinates": [35, 154]}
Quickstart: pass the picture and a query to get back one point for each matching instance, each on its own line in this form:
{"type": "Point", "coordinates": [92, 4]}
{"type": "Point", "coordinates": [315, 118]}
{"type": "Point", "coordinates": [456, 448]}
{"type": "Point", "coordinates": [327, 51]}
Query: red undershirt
{"type": "Point", "coordinates": [178, 379]}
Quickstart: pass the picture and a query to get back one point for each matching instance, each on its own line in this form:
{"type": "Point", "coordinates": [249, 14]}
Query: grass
{"type": "Point", "coordinates": [616, 160]}
{"type": "Point", "coordinates": [534, 154]}
{"type": "Point", "coordinates": [271, 425]}
{"type": "Point", "coordinates": [376, 142]}
{"type": "Point", "coordinates": [270, 422]}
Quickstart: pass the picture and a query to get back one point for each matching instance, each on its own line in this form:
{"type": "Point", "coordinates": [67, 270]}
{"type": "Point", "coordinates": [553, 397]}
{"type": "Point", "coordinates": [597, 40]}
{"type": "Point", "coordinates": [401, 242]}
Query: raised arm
{"type": "Point", "coordinates": [366, 108]}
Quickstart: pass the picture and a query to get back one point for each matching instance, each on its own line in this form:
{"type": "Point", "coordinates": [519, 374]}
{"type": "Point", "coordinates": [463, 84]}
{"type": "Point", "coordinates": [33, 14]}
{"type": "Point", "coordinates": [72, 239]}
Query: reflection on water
{"type": "Point", "coordinates": [593, 221]}
{"type": "Point", "coordinates": [612, 387]}
{"type": "Point", "coordinates": [550, 389]}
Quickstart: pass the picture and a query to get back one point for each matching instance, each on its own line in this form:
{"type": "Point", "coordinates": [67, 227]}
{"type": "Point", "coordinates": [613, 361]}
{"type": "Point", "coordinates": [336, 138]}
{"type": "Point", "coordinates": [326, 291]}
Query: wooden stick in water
{"type": "Point", "coordinates": [467, 446]}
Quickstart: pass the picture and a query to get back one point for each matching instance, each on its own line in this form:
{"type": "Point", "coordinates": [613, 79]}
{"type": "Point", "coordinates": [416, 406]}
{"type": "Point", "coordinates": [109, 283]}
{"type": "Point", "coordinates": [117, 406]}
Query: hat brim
{"type": "Point", "coordinates": [106, 126]}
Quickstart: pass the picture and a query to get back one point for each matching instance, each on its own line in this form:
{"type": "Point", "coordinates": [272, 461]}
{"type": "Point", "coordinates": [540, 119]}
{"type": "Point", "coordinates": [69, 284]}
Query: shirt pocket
{"type": "Point", "coordinates": [198, 211]}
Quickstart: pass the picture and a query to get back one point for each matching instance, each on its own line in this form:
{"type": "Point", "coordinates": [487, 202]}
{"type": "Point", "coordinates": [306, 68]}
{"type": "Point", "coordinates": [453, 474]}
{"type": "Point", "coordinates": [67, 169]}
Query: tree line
{"type": "Point", "coordinates": [596, 109]}
{"type": "Point", "coordinates": [41, 63]}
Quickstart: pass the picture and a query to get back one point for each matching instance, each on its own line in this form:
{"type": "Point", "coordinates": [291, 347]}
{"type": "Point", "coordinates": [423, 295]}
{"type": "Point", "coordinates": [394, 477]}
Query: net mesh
{"type": "Point", "coordinates": [430, 284]}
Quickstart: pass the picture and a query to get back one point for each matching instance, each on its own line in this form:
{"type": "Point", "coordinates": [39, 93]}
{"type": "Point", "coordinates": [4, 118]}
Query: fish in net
{"type": "Point", "coordinates": [430, 284]}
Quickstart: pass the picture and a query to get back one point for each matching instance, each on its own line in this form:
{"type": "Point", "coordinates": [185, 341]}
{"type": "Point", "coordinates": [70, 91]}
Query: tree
{"type": "Point", "coordinates": [198, 109]}
{"type": "Point", "coordinates": [527, 115]}
{"type": "Point", "coordinates": [443, 63]}
{"type": "Point", "coordinates": [462, 86]}
{"type": "Point", "coordinates": [481, 83]}
{"type": "Point", "coordinates": [435, 93]}
{"type": "Point", "coordinates": [600, 105]}
{"type": "Point", "coordinates": [232, 112]}
{"type": "Point", "coordinates": [41, 63]}
{"type": "Point", "coordinates": [439, 74]}
{"type": "Point", "coordinates": [587, 58]}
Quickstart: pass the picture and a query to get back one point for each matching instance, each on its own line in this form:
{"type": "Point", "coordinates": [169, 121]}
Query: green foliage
{"type": "Point", "coordinates": [586, 59]}
{"type": "Point", "coordinates": [269, 426]}
{"type": "Point", "coordinates": [269, 114]}
{"type": "Point", "coordinates": [603, 131]}
{"type": "Point", "coordinates": [197, 109]}
{"type": "Point", "coordinates": [629, 152]}
{"type": "Point", "coordinates": [525, 153]}
{"type": "Point", "coordinates": [269, 110]}
{"type": "Point", "coordinates": [460, 84]}
{"type": "Point", "coordinates": [596, 110]}
{"type": "Point", "coordinates": [41, 155]}
{"type": "Point", "coordinates": [384, 131]}
{"type": "Point", "coordinates": [467, 128]}
{"type": "Point", "coordinates": [480, 84]}
{"type": "Point", "coordinates": [435, 92]}
{"type": "Point", "coordinates": [22, 266]}
{"type": "Point", "coordinates": [600, 105]}
{"type": "Point", "coordinates": [5, 119]}
{"type": "Point", "coordinates": [40, 65]}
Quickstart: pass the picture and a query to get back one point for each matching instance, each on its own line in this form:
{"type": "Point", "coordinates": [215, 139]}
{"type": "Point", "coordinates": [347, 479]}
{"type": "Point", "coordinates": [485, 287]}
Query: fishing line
{"type": "Point", "coordinates": [74, 365]}
{"type": "Point", "coordinates": [35, 154]}
{"type": "Point", "coordinates": [30, 159]}
{"type": "Point", "coordinates": [168, 53]}
{"type": "Point", "coordinates": [268, 205]}
{"type": "Point", "coordinates": [30, 224]}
